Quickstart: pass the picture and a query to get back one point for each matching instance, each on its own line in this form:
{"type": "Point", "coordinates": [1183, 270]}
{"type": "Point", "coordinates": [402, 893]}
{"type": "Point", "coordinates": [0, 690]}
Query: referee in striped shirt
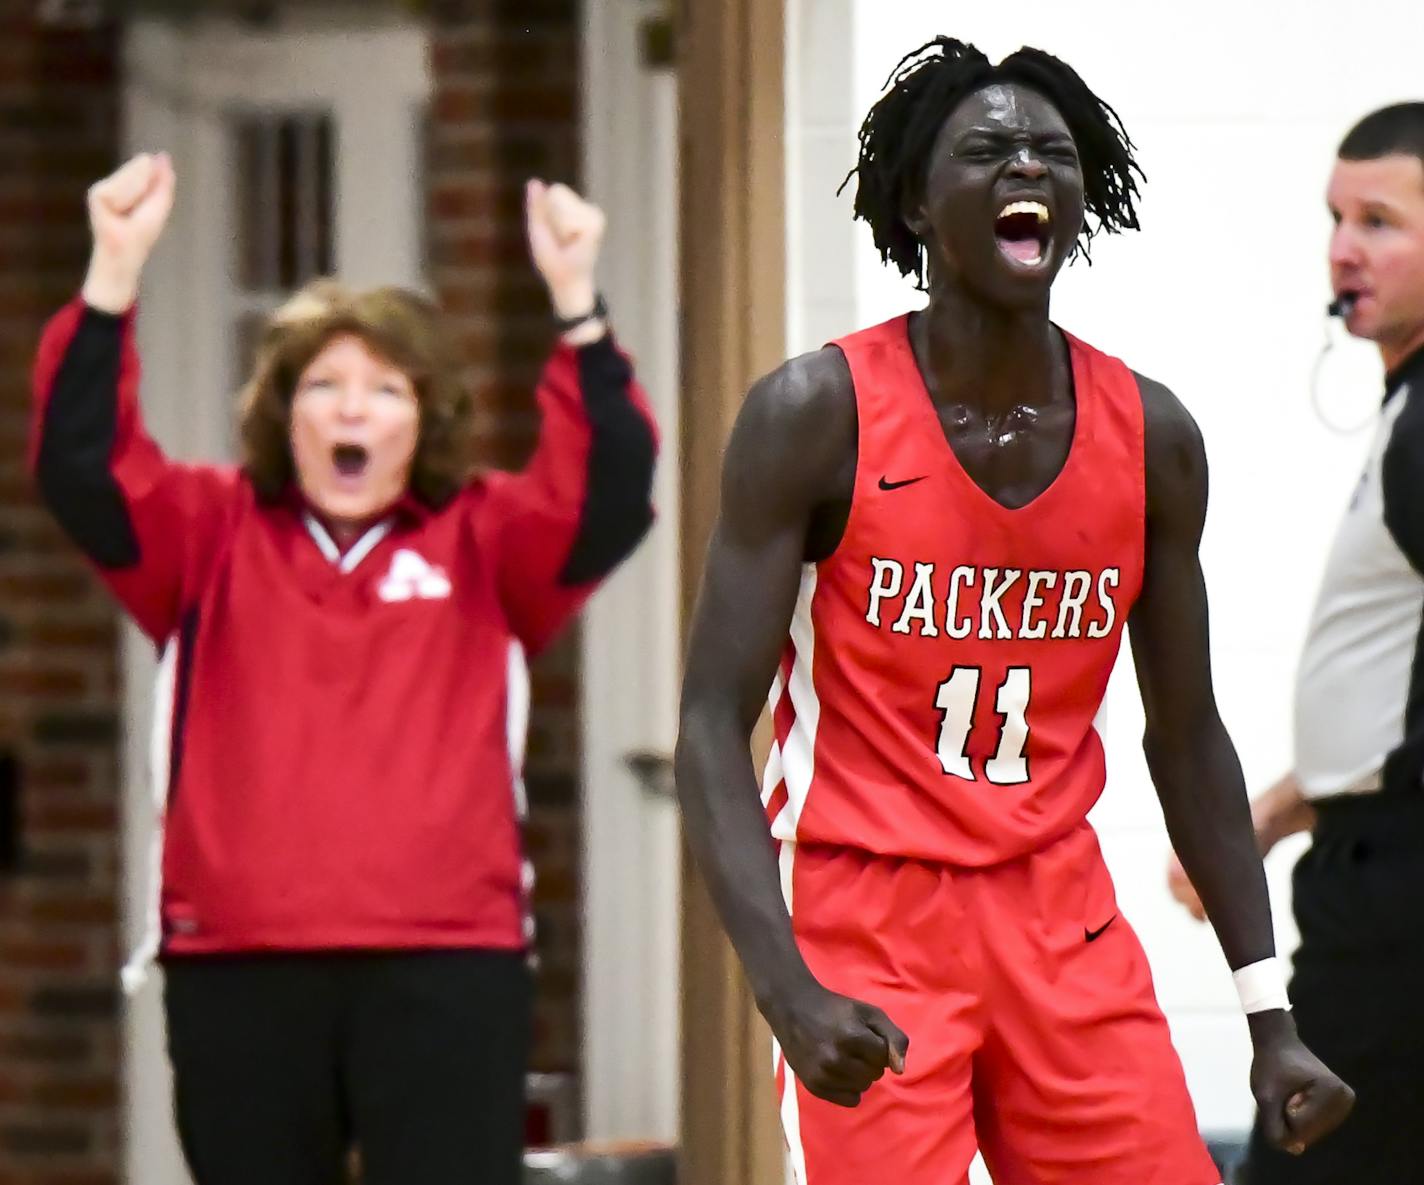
{"type": "Point", "coordinates": [1358, 778]}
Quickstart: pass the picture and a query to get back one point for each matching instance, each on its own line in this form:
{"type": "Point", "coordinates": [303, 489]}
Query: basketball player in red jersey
{"type": "Point", "coordinates": [932, 534]}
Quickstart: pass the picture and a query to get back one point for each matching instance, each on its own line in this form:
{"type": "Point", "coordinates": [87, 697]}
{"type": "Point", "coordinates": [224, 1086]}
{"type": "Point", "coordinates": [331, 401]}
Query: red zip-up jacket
{"type": "Point", "coordinates": [340, 771]}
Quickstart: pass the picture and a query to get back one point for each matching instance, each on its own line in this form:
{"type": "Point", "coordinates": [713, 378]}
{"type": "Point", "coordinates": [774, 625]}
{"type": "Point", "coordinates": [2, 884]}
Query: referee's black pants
{"type": "Point", "coordinates": [283, 1063]}
{"type": "Point", "coordinates": [1358, 991]}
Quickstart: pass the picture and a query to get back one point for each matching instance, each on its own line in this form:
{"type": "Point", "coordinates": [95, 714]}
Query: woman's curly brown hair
{"type": "Point", "coordinates": [405, 329]}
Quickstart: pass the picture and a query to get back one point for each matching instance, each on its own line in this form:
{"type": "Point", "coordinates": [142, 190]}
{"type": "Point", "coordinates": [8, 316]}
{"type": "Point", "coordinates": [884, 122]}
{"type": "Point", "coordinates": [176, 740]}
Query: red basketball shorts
{"type": "Point", "coordinates": [1034, 1032]}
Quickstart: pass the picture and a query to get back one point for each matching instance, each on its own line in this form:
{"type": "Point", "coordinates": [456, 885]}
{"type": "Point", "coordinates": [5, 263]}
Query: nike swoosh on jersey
{"type": "Point", "coordinates": [1093, 935]}
{"type": "Point", "coordinates": [895, 485]}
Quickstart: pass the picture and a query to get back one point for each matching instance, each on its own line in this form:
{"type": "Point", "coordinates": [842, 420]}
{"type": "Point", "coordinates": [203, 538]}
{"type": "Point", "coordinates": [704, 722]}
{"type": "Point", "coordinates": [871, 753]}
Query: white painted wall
{"type": "Point", "coordinates": [631, 629]}
{"type": "Point", "coordinates": [1236, 110]}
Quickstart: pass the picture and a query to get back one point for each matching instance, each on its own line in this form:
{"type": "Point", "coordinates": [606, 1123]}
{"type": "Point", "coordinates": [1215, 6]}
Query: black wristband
{"type": "Point", "coordinates": [597, 313]}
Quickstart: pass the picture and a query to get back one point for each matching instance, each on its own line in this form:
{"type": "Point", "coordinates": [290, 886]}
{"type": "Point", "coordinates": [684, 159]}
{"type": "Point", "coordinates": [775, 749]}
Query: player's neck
{"type": "Point", "coordinates": [978, 355]}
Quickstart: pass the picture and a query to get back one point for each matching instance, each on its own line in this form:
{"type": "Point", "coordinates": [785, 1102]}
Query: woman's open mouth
{"type": "Point", "coordinates": [1023, 233]}
{"type": "Point", "coordinates": [350, 461]}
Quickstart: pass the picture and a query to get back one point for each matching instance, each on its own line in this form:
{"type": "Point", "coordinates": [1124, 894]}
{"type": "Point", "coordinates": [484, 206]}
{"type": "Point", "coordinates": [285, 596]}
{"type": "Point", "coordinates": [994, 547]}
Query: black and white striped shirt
{"type": "Point", "coordinates": [1359, 701]}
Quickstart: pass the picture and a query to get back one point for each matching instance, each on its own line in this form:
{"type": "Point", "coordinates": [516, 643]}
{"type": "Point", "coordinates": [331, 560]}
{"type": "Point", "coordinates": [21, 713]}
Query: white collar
{"type": "Point", "coordinates": [358, 551]}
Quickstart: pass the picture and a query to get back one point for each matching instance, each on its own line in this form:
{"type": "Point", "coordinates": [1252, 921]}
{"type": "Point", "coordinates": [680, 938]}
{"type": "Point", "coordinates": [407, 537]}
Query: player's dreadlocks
{"type": "Point", "coordinates": [928, 84]}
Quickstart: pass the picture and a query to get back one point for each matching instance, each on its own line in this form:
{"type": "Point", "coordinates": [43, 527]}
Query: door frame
{"type": "Point", "coordinates": [733, 305]}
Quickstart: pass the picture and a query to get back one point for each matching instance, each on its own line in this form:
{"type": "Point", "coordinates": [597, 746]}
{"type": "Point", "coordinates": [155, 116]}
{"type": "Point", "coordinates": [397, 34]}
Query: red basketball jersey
{"type": "Point", "coordinates": [937, 696]}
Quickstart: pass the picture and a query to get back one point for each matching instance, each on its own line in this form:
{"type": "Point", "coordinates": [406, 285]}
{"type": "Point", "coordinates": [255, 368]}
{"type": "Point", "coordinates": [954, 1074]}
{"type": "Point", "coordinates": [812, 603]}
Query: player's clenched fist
{"type": "Point", "coordinates": [127, 212]}
{"type": "Point", "coordinates": [1298, 1098]}
{"type": "Point", "coordinates": [836, 1046]}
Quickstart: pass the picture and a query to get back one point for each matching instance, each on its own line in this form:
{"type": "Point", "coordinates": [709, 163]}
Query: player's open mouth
{"type": "Point", "coordinates": [349, 460]}
{"type": "Point", "coordinates": [1023, 233]}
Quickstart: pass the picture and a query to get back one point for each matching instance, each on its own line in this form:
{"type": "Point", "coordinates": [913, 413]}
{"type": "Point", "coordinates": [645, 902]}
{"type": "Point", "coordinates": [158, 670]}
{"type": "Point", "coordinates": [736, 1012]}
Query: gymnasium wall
{"type": "Point", "coordinates": [1236, 114]}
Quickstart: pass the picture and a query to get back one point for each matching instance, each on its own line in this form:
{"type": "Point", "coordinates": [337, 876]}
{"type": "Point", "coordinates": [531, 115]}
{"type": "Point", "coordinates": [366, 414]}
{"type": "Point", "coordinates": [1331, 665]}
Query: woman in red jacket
{"type": "Point", "coordinates": [342, 919]}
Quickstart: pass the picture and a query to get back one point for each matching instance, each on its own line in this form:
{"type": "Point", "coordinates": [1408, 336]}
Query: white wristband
{"type": "Point", "coordinates": [1262, 986]}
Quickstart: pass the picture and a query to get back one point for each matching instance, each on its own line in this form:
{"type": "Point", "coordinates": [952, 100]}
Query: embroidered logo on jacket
{"type": "Point", "coordinates": [410, 577]}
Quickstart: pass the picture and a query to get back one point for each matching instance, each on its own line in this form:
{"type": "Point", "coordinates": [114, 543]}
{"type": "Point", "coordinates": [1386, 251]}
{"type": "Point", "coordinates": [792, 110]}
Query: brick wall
{"type": "Point", "coordinates": [58, 1006]}
{"type": "Point", "coordinates": [505, 108]}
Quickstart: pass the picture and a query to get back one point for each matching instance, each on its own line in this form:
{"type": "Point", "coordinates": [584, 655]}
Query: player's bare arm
{"type": "Point", "coordinates": [1196, 771]}
{"type": "Point", "coordinates": [787, 474]}
{"type": "Point", "coordinates": [1276, 814]}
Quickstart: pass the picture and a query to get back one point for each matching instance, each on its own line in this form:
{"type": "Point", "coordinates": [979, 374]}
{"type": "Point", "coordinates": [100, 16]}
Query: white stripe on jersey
{"type": "Point", "coordinates": [791, 1118]}
{"type": "Point", "coordinates": [798, 750]}
{"type": "Point", "coordinates": [516, 720]}
{"type": "Point", "coordinates": [160, 745]}
{"type": "Point", "coordinates": [516, 724]}
{"type": "Point", "coordinates": [771, 778]}
{"type": "Point", "coordinates": [773, 773]}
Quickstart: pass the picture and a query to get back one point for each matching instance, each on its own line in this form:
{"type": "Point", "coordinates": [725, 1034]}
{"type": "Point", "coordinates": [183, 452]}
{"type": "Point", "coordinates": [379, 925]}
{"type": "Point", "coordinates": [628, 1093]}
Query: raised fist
{"type": "Point", "coordinates": [565, 233]}
{"type": "Point", "coordinates": [127, 213]}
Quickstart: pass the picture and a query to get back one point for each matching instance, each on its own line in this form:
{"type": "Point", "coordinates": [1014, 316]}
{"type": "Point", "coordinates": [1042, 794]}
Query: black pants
{"type": "Point", "coordinates": [1358, 992]}
{"type": "Point", "coordinates": [282, 1063]}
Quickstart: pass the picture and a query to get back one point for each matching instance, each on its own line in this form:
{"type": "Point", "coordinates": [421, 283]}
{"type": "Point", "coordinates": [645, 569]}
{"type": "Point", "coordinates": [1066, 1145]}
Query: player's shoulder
{"type": "Point", "coordinates": [798, 419]}
{"type": "Point", "coordinates": [809, 390]}
{"type": "Point", "coordinates": [794, 437]}
{"type": "Point", "coordinates": [1174, 454]}
{"type": "Point", "coordinates": [1169, 428]}
{"type": "Point", "coordinates": [1166, 420]}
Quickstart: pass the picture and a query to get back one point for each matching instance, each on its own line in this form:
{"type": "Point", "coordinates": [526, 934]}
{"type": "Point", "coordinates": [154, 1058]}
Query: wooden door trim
{"type": "Point", "coordinates": [733, 300]}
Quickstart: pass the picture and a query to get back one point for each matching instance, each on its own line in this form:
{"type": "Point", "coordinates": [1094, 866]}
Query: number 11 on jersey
{"type": "Point", "coordinates": [956, 699]}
